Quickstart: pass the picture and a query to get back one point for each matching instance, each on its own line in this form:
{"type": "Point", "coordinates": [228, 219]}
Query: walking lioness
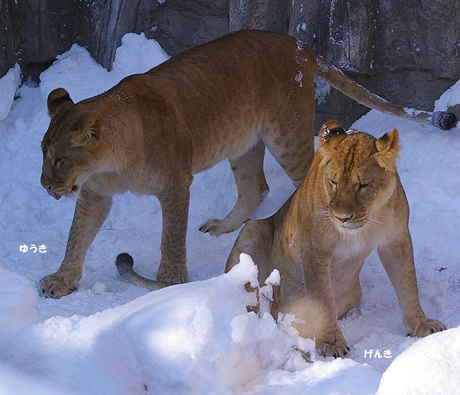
{"type": "Point", "coordinates": [350, 203]}
{"type": "Point", "coordinates": [150, 133]}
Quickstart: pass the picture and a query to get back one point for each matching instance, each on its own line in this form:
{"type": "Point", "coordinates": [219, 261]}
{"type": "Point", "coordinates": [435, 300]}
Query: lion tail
{"type": "Point", "coordinates": [125, 264]}
{"type": "Point", "coordinates": [322, 69]}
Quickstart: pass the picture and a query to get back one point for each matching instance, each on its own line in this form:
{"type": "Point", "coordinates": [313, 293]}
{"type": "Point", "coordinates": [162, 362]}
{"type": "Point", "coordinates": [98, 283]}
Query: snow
{"type": "Point", "coordinates": [77, 61]}
{"type": "Point", "coordinates": [18, 303]}
{"type": "Point", "coordinates": [8, 85]}
{"type": "Point", "coordinates": [429, 366]}
{"type": "Point", "coordinates": [111, 337]}
{"type": "Point", "coordinates": [322, 89]}
{"type": "Point", "coordinates": [173, 341]}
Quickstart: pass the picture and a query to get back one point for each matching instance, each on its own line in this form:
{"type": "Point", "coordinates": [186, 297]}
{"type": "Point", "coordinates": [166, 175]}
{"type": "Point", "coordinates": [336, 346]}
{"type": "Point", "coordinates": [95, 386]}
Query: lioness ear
{"type": "Point", "coordinates": [57, 100]}
{"type": "Point", "coordinates": [90, 129]}
{"type": "Point", "coordinates": [329, 129]}
{"type": "Point", "coordinates": [388, 150]}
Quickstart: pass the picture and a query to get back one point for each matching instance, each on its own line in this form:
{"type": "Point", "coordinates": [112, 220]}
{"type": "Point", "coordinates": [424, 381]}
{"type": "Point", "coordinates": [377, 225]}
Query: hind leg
{"type": "Point", "coordinates": [289, 136]}
{"type": "Point", "coordinates": [252, 189]}
{"type": "Point", "coordinates": [255, 239]}
{"type": "Point", "coordinates": [294, 154]}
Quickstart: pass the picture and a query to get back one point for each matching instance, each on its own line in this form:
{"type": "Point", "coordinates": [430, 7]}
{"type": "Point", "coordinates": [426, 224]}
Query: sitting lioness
{"type": "Point", "coordinates": [350, 203]}
{"type": "Point", "coordinates": [228, 99]}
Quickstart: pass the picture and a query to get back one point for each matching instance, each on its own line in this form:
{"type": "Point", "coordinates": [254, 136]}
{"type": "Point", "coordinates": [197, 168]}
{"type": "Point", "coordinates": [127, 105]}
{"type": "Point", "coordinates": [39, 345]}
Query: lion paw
{"type": "Point", "coordinates": [55, 286]}
{"type": "Point", "coordinates": [212, 226]}
{"type": "Point", "coordinates": [427, 327]}
{"type": "Point", "coordinates": [216, 227]}
{"type": "Point", "coordinates": [337, 349]}
{"type": "Point", "coordinates": [168, 275]}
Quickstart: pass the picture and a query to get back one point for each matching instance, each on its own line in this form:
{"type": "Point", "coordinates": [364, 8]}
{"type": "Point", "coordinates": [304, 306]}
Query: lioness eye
{"type": "Point", "coordinates": [362, 186]}
{"type": "Point", "coordinates": [333, 183]}
{"type": "Point", "coordinates": [57, 161]}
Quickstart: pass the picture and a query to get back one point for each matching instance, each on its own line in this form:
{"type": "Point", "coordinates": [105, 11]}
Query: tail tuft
{"type": "Point", "coordinates": [444, 120]}
{"type": "Point", "coordinates": [124, 263]}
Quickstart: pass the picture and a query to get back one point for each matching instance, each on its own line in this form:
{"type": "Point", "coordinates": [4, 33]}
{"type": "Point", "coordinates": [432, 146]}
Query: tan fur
{"type": "Point", "coordinates": [350, 203]}
{"type": "Point", "coordinates": [149, 134]}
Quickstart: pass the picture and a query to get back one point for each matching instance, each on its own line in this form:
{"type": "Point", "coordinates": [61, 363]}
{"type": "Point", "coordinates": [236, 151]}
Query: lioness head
{"type": "Point", "coordinates": [359, 174]}
{"type": "Point", "coordinates": [71, 149]}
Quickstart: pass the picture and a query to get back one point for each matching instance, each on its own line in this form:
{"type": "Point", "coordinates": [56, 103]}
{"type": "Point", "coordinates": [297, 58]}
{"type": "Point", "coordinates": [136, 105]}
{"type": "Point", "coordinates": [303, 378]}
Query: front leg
{"type": "Point", "coordinates": [319, 309]}
{"type": "Point", "coordinates": [91, 211]}
{"type": "Point", "coordinates": [398, 259]}
{"type": "Point", "coordinates": [174, 207]}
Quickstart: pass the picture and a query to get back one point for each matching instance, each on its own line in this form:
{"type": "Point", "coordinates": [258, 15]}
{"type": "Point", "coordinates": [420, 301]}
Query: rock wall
{"type": "Point", "coordinates": [39, 30]}
{"type": "Point", "coordinates": [35, 31]}
{"type": "Point", "coordinates": [405, 50]}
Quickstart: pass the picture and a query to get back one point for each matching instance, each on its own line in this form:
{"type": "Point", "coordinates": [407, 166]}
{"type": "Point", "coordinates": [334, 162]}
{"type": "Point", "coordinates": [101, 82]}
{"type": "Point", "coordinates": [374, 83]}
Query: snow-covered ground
{"type": "Point", "coordinates": [111, 337]}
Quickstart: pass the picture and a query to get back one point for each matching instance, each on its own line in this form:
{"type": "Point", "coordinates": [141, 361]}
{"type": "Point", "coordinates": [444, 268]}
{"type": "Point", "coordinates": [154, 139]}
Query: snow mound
{"type": "Point", "coordinates": [75, 62]}
{"type": "Point", "coordinates": [75, 67]}
{"type": "Point", "coordinates": [137, 54]}
{"type": "Point", "coordinates": [18, 304]}
{"type": "Point", "coordinates": [186, 339]}
{"type": "Point", "coordinates": [429, 366]}
{"type": "Point", "coordinates": [450, 97]}
{"type": "Point", "coordinates": [8, 85]}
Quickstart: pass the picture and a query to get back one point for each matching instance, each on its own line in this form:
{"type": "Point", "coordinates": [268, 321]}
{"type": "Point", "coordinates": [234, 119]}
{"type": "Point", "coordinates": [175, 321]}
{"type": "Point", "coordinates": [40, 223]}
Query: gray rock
{"type": "Point", "coordinates": [183, 24]}
{"type": "Point", "coordinates": [407, 52]}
